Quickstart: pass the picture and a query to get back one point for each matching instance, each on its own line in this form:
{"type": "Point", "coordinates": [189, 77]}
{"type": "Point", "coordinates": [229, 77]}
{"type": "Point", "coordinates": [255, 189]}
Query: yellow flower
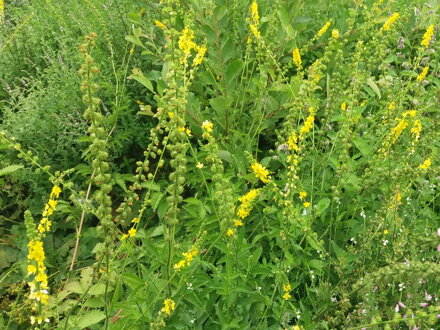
{"type": "Point", "coordinates": [186, 42]}
{"type": "Point", "coordinates": [385, 232]}
{"type": "Point", "coordinates": [343, 106]}
{"type": "Point", "coordinates": [397, 130]}
{"type": "Point", "coordinates": [171, 114]}
{"type": "Point", "coordinates": [201, 50]}
{"type": "Point", "coordinates": [55, 193]}
{"type": "Point", "coordinates": [409, 113]}
{"type": "Point", "coordinates": [335, 33]}
{"type": "Point", "coordinates": [307, 126]}
{"type": "Point", "coordinates": [306, 204]}
{"type": "Point", "coordinates": [160, 25]}
{"type": "Point", "coordinates": [302, 195]}
{"type": "Point", "coordinates": [287, 287]}
{"type": "Point", "coordinates": [393, 18]}
{"type": "Point", "coordinates": [254, 13]}
{"type": "Point", "coordinates": [246, 201]}
{"type": "Point", "coordinates": [199, 165]}
{"type": "Point", "coordinates": [287, 296]}
{"type": "Point", "coordinates": [323, 29]}
{"type": "Point", "coordinates": [423, 74]}
{"type": "Point", "coordinates": [292, 142]}
{"type": "Point", "coordinates": [135, 220]}
{"type": "Point", "coordinates": [207, 126]}
{"type": "Point", "coordinates": [132, 232]}
{"type": "Point", "coordinates": [230, 232]}
{"type": "Point", "coordinates": [168, 306]}
{"type": "Point", "coordinates": [255, 31]}
{"type": "Point", "coordinates": [427, 36]}
{"type": "Point", "coordinates": [297, 58]}
{"type": "Point", "coordinates": [180, 264]}
{"type": "Point", "coordinates": [426, 164]}
{"type": "Point", "coordinates": [238, 223]}
{"type": "Point", "coordinates": [124, 236]}
{"type": "Point", "coordinates": [31, 269]}
{"type": "Point", "coordinates": [392, 106]}
{"type": "Point", "coordinates": [260, 172]}
{"type": "Point", "coordinates": [188, 257]}
{"type": "Point", "coordinates": [416, 130]}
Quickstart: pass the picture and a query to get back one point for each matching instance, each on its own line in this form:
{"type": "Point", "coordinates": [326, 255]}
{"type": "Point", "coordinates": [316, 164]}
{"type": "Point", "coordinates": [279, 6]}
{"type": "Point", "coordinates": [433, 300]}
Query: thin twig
{"type": "Point", "coordinates": [78, 232]}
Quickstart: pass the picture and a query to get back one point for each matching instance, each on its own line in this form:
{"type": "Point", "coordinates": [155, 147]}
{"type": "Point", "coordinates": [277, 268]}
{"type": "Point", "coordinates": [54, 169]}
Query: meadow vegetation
{"type": "Point", "coordinates": [212, 164]}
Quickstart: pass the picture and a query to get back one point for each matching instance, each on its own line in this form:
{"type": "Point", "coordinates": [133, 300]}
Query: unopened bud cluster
{"type": "Point", "coordinates": [98, 135]}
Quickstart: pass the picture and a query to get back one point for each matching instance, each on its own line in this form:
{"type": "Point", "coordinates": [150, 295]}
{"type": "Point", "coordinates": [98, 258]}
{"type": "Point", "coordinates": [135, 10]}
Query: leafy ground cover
{"type": "Point", "coordinates": [219, 164]}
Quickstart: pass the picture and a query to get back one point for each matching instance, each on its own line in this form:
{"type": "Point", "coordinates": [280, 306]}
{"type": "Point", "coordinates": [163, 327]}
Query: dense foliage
{"type": "Point", "coordinates": [219, 164]}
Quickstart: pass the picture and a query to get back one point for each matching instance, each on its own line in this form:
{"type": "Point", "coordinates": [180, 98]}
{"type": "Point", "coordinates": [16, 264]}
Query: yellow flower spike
{"type": "Point", "coordinates": [160, 25]}
{"type": "Point", "coordinates": [201, 50]}
{"type": "Point", "coordinates": [180, 264]}
{"type": "Point", "coordinates": [426, 164]}
{"type": "Point", "coordinates": [297, 58]}
{"type": "Point", "coordinates": [323, 29]}
{"type": "Point", "coordinates": [255, 31]}
{"type": "Point", "coordinates": [260, 172]}
{"type": "Point", "coordinates": [55, 193]}
{"type": "Point", "coordinates": [254, 13]}
{"type": "Point", "coordinates": [427, 36]}
{"type": "Point", "coordinates": [392, 19]}
{"type": "Point", "coordinates": [246, 201]}
{"type": "Point", "coordinates": [186, 43]}
{"type": "Point", "coordinates": [168, 306]}
{"type": "Point", "coordinates": [423, 74]}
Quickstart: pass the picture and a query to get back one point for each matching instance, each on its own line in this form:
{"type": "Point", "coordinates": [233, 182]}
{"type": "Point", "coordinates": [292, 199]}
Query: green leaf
{"type": "Point", "coordinates": [140, 78]}
{"type": "Point", "coordinates": [133, 281]}
{"type": "Point", "coordinates": [374, 87]}
{"type": "Point", "coordinates": [9, 169]}
{"type": "Point", "coordinates": [97, 289]}
{"type": "Point", "coordinates": [89, 318]}
{"type": "Point", "coordinates": [75, 287]}
{"type": "Point", "coordinates": [233, 70]}
{"type": "Point", "coordinates": [322, 205]}
{"type": "Point", "coordinates": [135, 40]}
{"type": "Point", "coordinates": [363, 146]}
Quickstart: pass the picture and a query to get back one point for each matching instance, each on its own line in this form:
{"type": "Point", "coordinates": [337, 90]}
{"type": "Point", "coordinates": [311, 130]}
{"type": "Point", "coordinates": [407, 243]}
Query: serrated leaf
{"type": "Point", "coordinates": [97, 289]}
{"type": "Point", "coordinates": [89, 318]}
{"type": "Point", "coordinates": [75, 287]}
{"type": "Point", "coordinates": [9, 169]}
{"type": "Point", "coordinates": [95, 302]}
